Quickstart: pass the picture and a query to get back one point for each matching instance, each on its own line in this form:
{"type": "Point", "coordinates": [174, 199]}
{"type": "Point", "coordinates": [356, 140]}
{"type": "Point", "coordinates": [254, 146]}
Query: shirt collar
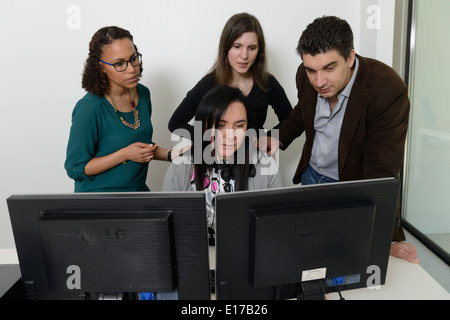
{"type": "Point", "coordinates": [348, 88]}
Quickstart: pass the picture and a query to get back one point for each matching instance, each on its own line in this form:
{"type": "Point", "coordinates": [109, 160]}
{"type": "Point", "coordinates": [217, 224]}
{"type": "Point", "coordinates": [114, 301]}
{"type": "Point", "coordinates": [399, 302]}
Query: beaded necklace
{"type": "Point", "coordinates": [137, 122]}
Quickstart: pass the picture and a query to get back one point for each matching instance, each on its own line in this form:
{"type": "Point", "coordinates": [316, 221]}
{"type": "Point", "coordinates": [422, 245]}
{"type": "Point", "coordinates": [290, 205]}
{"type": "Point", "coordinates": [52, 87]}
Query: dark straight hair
{"type": "Point", "coordinates": [209, 113]}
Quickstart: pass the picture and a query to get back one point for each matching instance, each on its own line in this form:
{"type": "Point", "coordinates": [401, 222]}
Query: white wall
{"type": "Point", "coordinates": [45, 44]}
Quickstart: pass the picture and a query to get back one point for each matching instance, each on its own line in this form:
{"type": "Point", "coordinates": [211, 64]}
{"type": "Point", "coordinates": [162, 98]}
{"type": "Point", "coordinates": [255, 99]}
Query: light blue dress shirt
{"type": "Point", "coordinates": [327, 125]}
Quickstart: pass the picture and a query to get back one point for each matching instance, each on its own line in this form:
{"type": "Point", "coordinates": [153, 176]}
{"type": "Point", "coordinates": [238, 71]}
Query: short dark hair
{"type": "Point", "coordinates": [94, 80]}
{"type": "Point", "coordinates": [325, 34]}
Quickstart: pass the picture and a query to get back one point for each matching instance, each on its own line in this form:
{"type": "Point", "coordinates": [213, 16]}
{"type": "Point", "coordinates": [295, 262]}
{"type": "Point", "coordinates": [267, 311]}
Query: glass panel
{"type": "Point", "coordinates": [428, 165]}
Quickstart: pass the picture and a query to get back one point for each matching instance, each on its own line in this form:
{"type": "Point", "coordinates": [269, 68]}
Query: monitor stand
{"type": "Point", "coordinates": [107, 296]}
{"type": "Point", "coordinates": [312, 290]}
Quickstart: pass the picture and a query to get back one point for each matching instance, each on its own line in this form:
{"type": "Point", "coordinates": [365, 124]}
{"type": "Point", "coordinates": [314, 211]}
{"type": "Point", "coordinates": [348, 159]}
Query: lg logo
{"type": "Point", "coordinates": [93, 235]}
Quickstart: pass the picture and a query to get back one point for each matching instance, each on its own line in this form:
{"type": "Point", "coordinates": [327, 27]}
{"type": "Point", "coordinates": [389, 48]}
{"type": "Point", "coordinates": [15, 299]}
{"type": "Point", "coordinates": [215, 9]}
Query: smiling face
{"type": "Point", "coordinates": [231, 131]}
{"type": "Point", "coordinates": [243, 53]}
{"type": "Point", "coordinates": [329, 73]}
{"type": "Point", "coordinates": [120, 50]}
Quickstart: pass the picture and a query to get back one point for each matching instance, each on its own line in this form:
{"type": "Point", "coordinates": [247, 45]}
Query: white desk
{"type": "Point", "coordinates": [9, 269]}
{"type": "Point", "coordinates": [404, 281]}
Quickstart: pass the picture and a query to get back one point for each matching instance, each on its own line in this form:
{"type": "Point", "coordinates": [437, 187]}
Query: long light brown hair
{"type": "Point", "coordinates": [235, 27]}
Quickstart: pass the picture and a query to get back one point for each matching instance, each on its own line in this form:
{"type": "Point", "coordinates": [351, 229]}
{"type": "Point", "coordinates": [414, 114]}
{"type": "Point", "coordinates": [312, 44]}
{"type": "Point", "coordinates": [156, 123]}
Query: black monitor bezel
{"type": "Point", "coordinates": [189, 223]}
{"type": "Point", "coordinates": [232, 229]}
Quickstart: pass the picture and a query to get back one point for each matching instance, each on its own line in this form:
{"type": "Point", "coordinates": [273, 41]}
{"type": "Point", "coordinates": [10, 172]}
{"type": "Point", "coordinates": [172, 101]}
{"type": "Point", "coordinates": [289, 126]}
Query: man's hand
{"type": "Point", "coordinates": [405, 251]}
{"type": "Point", "coordinates": [269, 145]}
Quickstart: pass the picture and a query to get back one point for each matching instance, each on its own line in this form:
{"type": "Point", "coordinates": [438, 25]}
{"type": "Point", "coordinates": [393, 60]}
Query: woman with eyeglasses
{"type": "Point", "coordinates": [110, 143]}
{"type": "Point", "coordinates": [226, 158]}
{"type": "Point", "coordinates": [241, 62]}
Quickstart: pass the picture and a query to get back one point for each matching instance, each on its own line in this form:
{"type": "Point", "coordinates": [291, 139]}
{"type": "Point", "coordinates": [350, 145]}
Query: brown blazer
{"type": "Point", "coordinates": [373, 134]}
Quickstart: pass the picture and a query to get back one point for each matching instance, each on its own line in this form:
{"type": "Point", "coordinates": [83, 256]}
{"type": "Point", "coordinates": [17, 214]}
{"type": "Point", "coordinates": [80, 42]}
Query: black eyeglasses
{"type": "Point", "coordinates": [121, 66]}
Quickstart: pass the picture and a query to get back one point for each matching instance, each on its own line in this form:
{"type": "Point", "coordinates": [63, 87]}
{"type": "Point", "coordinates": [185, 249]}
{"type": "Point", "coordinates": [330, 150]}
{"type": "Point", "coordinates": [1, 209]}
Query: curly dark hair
{"type": "Point", "coordinates": [325, 34]}
{"type": "Point", "coordinates": [94, 80]}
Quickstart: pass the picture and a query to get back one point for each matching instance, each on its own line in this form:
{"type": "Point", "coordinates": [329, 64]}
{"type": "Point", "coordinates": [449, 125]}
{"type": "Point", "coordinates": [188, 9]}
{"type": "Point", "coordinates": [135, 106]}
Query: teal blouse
{"type": "Point", "coordinates": [97, 131]}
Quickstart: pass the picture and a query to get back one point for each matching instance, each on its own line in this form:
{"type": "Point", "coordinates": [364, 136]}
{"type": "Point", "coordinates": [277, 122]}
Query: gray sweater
{"type": "Point", "coordinates": [179, 173]}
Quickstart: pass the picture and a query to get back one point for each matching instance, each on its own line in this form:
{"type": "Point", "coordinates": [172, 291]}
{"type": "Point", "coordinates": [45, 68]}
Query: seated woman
{"type": "Point", "coordinates": [229, 158]}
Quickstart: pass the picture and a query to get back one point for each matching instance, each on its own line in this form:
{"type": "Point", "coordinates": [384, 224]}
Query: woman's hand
{"type": "Point", "coordinates": [139, 152]}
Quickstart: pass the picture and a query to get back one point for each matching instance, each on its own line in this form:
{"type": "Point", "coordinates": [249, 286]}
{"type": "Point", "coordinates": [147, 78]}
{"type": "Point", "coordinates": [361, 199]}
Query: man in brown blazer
{"type": "Point", "coordinates": [354, 112]}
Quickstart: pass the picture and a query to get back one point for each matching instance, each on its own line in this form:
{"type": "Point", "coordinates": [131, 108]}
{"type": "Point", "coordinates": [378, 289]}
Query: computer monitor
{"type": "Point", "coordinates": [112, 245]}
{"type": "Point", "coordinates": [298, 242]}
